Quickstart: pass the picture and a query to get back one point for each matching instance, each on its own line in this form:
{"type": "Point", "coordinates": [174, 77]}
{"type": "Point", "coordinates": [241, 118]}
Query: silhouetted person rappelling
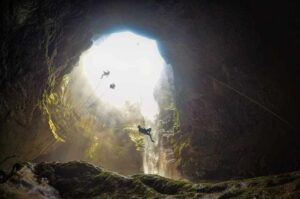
{"type": "Point", "coordinates": [105, 74]}
{"type": "Point", "coordinates": [145, 132]}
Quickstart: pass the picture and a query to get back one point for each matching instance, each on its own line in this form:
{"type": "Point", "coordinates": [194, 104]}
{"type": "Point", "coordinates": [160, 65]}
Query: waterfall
{"type": "Point", "coordinates": [158, 156]}
{"type": "Point", "coordinates": [151, 155]}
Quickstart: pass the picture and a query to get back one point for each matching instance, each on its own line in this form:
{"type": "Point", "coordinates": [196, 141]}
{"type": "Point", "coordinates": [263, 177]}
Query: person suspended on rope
{"type": "Point", "coordinates": [145, 131]}
{"type": "Point", "coordinates": [105, 74]}
{"type": "Point", "coordinates": [112, 86]}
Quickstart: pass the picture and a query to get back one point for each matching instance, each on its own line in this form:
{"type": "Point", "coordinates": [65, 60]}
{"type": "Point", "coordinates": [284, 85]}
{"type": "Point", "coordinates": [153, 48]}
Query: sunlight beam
{"type": "Point", "coordinates": [135, 65]}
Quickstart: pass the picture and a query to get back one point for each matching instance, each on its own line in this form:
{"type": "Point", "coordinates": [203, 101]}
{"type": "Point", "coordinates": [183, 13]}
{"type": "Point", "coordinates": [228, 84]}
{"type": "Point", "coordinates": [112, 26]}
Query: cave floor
{"type": "Point", "coordinates": [83, 180]}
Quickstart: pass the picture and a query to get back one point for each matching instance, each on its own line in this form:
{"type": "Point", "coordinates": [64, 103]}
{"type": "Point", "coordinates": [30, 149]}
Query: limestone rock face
{"type": "Point", "coordinates": [39, 40]}
{"type": "Point", "coordinates": [235, 70]}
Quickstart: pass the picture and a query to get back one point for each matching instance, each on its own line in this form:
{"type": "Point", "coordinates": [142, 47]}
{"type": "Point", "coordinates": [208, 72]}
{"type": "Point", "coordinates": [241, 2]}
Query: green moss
{"type": "Point", "coordinates": [136, 137]}
{"type": "Point", "coordinates": [293, 195]}
{"type": "Point", "coordinates": [180, 145]}
{"type": "Point", "coordinates": [231, 194]}
{"type": "Point", "coordinates": [52, 103]}
{"type": "Point", "coordinates": [82, 180]}
{"type": "Point", "coordinates": [163, 185]}
{"type": "Point", "coordinates": [177, 121]}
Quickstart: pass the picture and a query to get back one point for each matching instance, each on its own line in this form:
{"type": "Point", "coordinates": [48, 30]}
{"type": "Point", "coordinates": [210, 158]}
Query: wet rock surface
{"type": "Point", "coordinates": [83, 180]}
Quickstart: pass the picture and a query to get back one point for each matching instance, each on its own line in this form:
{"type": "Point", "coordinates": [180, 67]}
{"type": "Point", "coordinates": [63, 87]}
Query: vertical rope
{"type": "Point", "coordinates": [251, 100]}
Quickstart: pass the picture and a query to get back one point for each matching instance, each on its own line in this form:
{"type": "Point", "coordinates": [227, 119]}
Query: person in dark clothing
{"type": "Point", "coordinates": [145, 132]}
{"type": "Point", "coordinates": [105, 73]}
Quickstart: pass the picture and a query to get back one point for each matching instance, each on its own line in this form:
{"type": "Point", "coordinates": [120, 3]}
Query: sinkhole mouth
{"type": "Point", "coordinates": [124, 68]}
{"type": "Point", "coordinates": [121, 82]}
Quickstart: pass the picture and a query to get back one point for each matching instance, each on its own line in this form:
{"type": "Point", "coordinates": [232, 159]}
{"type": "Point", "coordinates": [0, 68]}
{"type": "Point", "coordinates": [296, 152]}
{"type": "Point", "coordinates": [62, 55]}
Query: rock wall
{"type": "Point", "coordinates": [40, 42]}
{"type": "Point", "coordinates": [235, 66]}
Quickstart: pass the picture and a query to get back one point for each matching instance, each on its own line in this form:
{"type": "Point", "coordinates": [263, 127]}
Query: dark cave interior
{"type": "Point", "coordinates": [228, 100]}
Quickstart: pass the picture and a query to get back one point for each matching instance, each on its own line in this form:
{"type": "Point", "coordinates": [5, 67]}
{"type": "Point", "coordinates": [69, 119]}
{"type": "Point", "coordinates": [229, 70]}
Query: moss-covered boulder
{"type": "Point", "coordinates": [79, 180]}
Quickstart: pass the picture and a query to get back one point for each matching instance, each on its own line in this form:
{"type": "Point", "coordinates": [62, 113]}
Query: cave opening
{"type": "Point", "coordinates": [230, 112]}
{"type": "Point", "coordinates": [120, 82]}
{"type": "Point", "coordinates": [122, 68]}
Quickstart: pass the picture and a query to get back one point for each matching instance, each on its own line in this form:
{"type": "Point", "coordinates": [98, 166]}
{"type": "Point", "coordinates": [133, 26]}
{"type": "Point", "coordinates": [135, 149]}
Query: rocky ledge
{"type": "Point", "coordinates": [83, 180]}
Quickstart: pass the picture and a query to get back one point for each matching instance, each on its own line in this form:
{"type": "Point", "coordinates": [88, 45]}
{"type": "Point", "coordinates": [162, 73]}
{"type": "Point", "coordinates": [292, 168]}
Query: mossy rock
{"type": "Point", "coordinates": [83, 180]}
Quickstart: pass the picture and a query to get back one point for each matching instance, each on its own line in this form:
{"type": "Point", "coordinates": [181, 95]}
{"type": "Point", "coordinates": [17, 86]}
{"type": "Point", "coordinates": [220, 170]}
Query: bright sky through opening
{"type": "Point", "coordinates": [135, 66]}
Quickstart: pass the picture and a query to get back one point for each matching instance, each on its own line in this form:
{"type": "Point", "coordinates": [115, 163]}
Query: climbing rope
{"type": "Point", "coordinates": [89, 97]}
{"type": "Point", "coordinates": [268, 110]}
{"type": "Point", "coordinates": [101, 95]}
{"type": "Point", "coordinates": [112, 86]}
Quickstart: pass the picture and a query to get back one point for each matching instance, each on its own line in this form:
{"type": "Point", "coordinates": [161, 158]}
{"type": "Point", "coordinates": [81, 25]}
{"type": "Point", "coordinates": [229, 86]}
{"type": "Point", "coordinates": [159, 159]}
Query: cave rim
{"type": "Point", "coordinates": [101, 36]}
{"type": "Point", "coordinates": [226, 62]}
{"type": "Point", "coordinates": [165, 66]}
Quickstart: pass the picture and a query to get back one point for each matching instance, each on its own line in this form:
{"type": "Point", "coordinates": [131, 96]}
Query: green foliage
{"type": "Point", "coordinates": [180, 145]}
{"type": "Point", "coordinates": [79, 128]}
{"type": "Point", "coordinates": [136, 137]}
{"type": "Point", "coordinates": [177, 121]}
